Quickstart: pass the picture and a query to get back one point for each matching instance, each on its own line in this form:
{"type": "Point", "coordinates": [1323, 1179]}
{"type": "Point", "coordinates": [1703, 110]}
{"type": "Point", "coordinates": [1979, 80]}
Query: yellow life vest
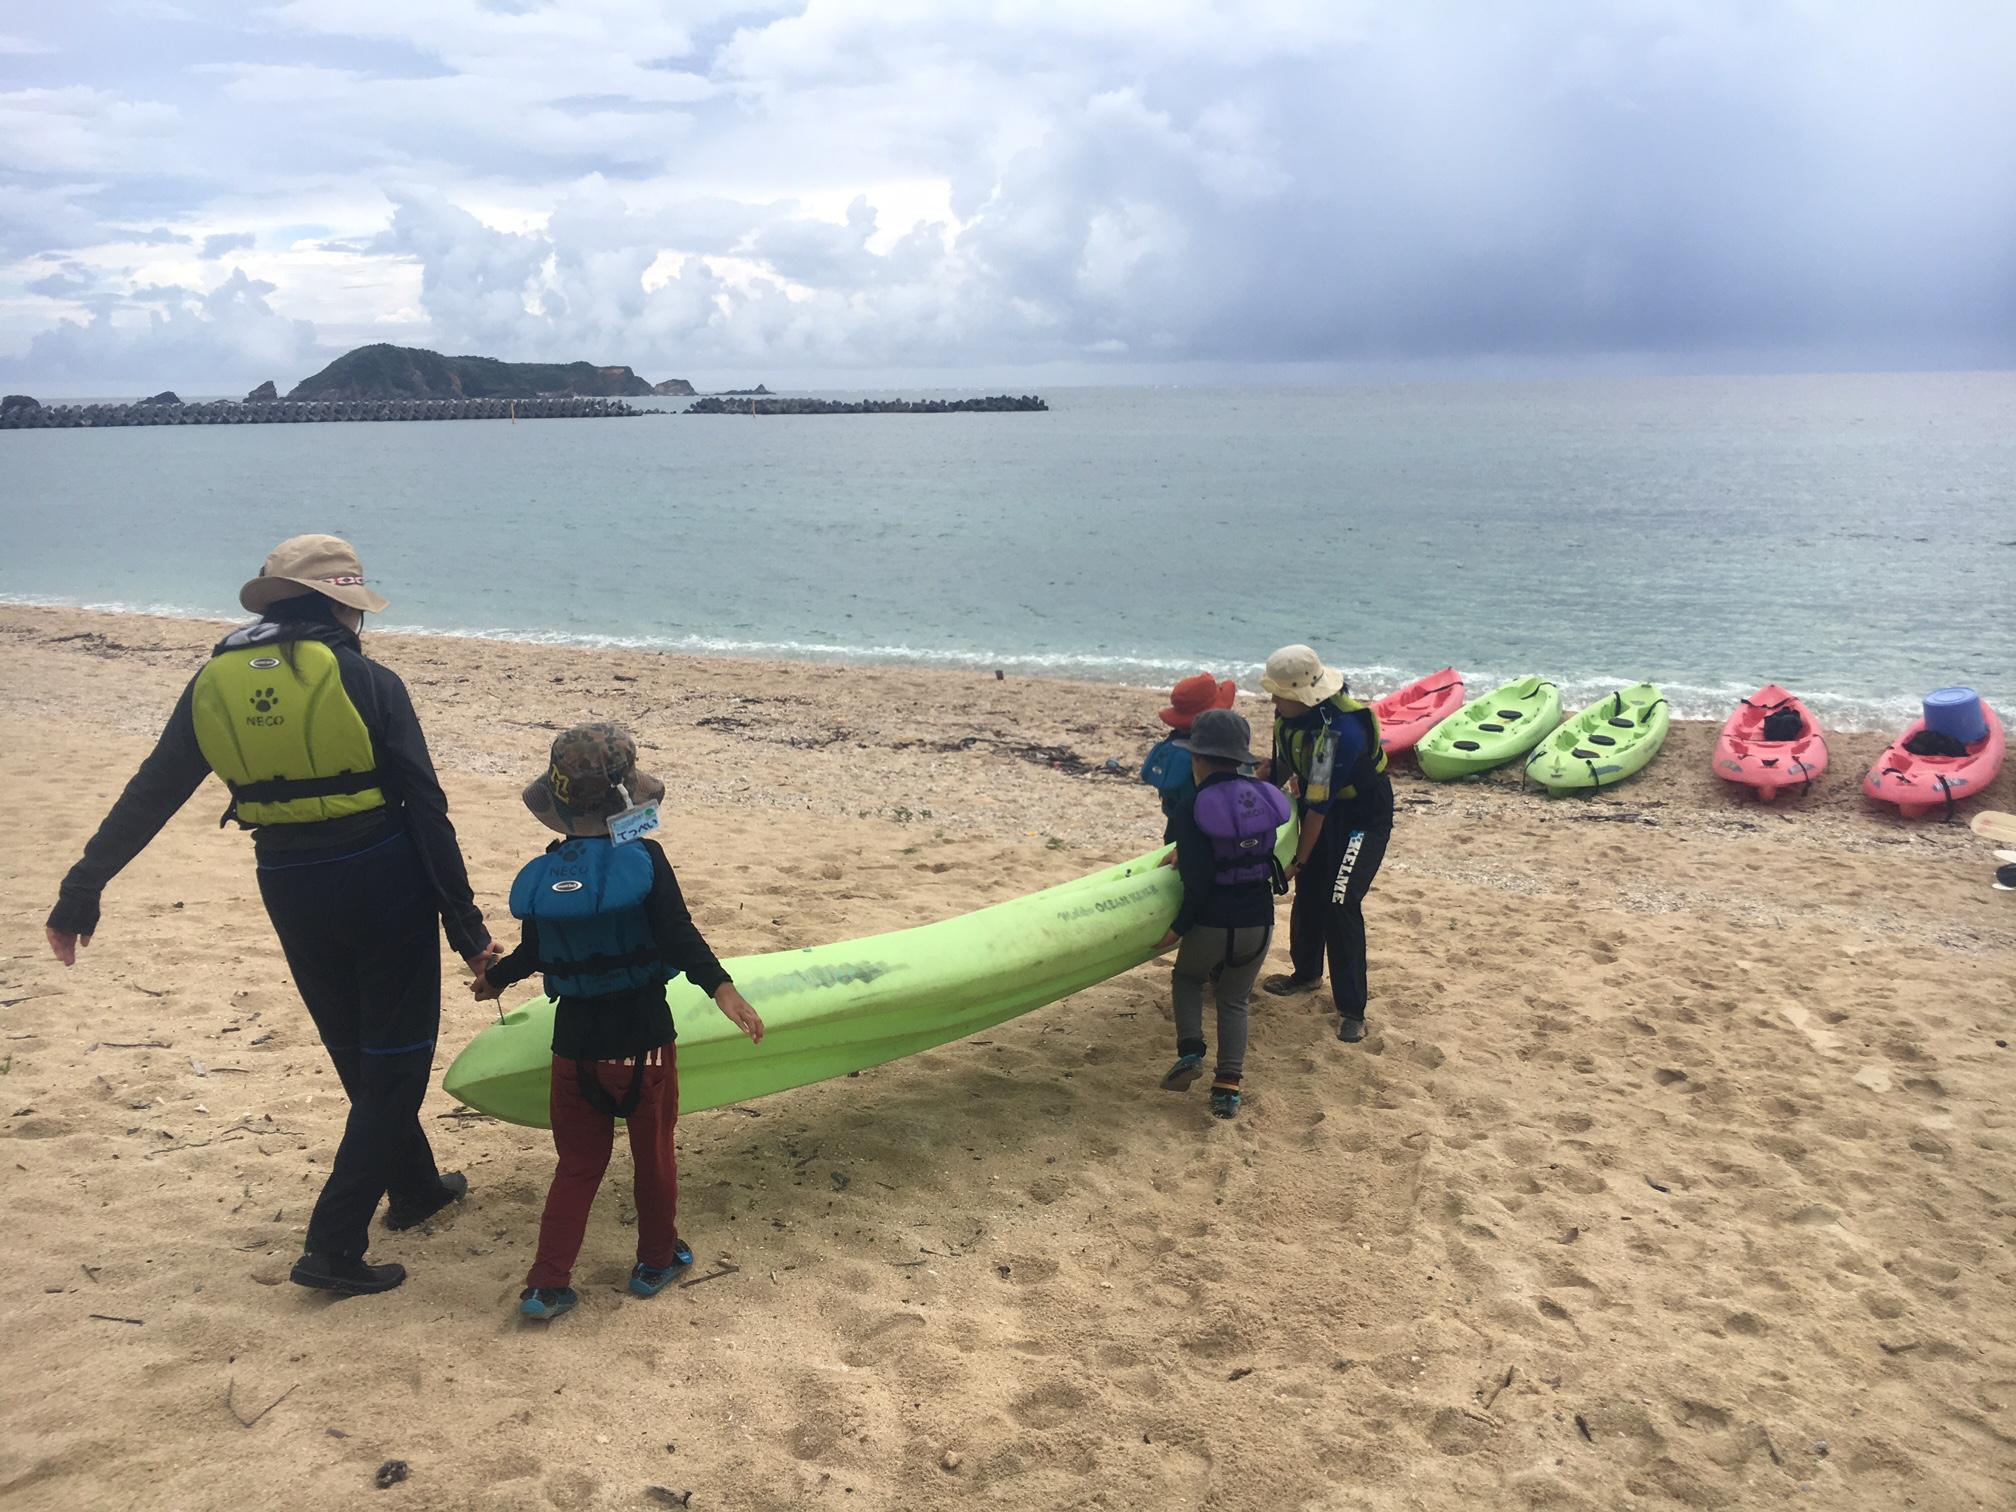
{"type": "Point", "coordinates": [1310, 753]}
{"type": "Point", "coordinates": [285, 738]}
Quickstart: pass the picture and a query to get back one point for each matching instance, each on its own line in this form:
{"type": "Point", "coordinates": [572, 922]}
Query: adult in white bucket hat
{"type": "Point", "coordinates": [359, 870]}
{"type": "Point", "coordinates": [1326, 744]}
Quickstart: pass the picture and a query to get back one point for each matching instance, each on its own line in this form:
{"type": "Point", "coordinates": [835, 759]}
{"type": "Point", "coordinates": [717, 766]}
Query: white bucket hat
{"type": "Point", "coordinates": [1298, 673]}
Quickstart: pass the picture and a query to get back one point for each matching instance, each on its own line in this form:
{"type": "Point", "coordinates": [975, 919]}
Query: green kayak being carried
{"type": "Point", "coordinates": [1491, 731]}
{"type": "Point", "coordinates": [1605, 743]}
{"type": "Point", "coordinates": [832, 1009]}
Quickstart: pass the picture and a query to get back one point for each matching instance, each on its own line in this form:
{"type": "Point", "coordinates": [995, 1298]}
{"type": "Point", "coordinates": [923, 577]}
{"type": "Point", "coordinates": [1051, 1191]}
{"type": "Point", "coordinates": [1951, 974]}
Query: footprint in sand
{"type": "Point", "coordinates": [1802, 1020]}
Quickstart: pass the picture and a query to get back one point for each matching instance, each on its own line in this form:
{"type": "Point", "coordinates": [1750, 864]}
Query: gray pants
{"type": "Point", "coordinates": [1203, 951]}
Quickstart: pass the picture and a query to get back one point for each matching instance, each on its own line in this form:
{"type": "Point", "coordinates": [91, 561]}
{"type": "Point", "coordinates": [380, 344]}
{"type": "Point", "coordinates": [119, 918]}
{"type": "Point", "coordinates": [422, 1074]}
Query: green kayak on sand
{"type": "Point", "coordinates": [1491, 731]}
{"type": "Point", "coordinates": [1605, 743]}
{"type": "Point", "coordinates": [832, 1009]}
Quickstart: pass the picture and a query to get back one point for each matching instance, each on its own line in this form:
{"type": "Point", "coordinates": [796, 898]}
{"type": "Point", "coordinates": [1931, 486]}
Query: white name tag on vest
{"type": "Point", "coordinates": [633, 823]}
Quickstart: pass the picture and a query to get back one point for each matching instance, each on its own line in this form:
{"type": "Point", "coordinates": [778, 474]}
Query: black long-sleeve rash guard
{"type": "Point", "coordinates": [175, 768]}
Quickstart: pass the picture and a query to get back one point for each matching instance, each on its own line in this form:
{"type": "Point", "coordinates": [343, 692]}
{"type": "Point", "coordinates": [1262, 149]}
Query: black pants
{"type": "Point", "coordinates": [1326, 917]}
{"type": "Point", "coordinates": [360, 934]}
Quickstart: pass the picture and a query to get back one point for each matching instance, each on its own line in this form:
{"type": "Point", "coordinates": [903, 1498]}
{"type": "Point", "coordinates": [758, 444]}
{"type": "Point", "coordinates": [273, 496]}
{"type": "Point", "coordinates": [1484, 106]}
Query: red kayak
{"type": "Point", "coordinates": [1772, 742]}
{"type": "Point", "coordinates": [1406, 714]}
{"type": "Point", "coordinates": [1921, 786]}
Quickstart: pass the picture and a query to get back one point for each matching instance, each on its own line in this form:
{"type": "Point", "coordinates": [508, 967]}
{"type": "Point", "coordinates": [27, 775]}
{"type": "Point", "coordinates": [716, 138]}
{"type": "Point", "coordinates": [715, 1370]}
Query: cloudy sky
{"type": "Point", "coordinates": [205, 193]}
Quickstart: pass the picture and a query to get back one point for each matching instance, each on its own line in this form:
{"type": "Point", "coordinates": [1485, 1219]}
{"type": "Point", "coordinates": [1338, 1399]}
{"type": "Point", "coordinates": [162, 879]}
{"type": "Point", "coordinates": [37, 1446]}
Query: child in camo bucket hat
{"type": "Point", "coordinates": [591, 774]}
{"type": "Point", "coordinates": [606, 926]}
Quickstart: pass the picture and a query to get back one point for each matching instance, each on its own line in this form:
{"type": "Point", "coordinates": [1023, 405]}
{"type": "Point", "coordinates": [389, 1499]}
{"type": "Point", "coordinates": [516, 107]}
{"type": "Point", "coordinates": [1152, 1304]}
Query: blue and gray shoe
{"type": "Point", "coordinates": [545, 1303]}
{"type": "Point", "coordinates": [649, 1280]}
{"type": "Point", "coordinates": [1186, 1070]}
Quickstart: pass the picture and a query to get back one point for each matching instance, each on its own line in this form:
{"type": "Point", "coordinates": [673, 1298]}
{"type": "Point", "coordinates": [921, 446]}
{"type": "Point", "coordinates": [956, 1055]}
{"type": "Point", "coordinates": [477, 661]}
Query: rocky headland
{"type": "Point", "coordinates": [393, 372]}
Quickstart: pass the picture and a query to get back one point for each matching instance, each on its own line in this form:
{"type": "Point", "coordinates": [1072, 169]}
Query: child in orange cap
{"type": "Point", "coordinates": [1167, 767]}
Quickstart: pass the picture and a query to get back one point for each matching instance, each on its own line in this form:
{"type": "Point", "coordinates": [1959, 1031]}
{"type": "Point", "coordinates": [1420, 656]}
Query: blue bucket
{"type": "Point", "coordinates": [1956, 712]}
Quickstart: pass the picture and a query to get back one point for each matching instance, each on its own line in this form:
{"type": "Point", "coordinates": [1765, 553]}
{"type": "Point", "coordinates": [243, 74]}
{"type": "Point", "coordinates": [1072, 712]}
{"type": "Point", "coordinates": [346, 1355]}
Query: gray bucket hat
{"type": "Point", "coordinates": [1221, 735]}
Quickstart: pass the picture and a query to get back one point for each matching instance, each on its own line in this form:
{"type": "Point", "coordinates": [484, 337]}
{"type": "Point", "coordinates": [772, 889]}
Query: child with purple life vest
{"type": "Point", "coordinates": [1224, 834]}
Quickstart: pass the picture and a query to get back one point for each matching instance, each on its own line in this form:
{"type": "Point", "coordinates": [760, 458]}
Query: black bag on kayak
{"type": "Point", "coordinates": [1783, 724]}
{"type": "Point", "coordinates": [1934, 743]}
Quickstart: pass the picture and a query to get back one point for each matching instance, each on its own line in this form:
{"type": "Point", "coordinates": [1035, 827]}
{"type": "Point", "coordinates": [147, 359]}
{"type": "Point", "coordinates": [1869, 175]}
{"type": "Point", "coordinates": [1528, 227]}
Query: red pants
{"type": "Point", "coordinates": [583, 1136]}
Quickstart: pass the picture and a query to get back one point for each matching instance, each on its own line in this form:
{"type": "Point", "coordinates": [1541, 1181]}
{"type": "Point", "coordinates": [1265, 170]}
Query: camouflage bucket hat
{"type": "Point", "coordinates": [592, 768]}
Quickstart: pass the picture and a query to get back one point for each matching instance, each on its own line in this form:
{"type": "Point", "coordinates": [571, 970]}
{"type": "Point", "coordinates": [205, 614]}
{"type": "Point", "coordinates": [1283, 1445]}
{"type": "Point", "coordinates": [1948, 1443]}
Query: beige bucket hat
{"type": "Point", "coordinates": [1298, 673]}
{"type": "Point", "coordinates": [323, 564]}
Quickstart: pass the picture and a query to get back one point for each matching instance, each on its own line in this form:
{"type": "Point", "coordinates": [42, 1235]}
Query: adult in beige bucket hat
{"type": "Point", "coordinates": [1326, 746]}
{"type": "Point", "coordinates": [360, 872]}
{"type": "Point", "coordinates": [323, 564]}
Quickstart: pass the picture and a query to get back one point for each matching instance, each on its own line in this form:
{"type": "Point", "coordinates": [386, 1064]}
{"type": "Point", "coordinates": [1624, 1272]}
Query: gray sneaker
{"type": "Point", "coordinates": [1283, 985]}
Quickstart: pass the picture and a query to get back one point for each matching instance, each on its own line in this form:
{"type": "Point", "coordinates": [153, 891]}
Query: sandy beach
{"type": "Point", "coordinates": [1679, 1169]}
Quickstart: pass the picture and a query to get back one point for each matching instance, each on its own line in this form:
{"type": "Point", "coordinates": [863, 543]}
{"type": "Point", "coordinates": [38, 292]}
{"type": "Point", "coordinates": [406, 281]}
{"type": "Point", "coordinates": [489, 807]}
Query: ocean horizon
{"type": "Point", "coordinates": [1845, 535]}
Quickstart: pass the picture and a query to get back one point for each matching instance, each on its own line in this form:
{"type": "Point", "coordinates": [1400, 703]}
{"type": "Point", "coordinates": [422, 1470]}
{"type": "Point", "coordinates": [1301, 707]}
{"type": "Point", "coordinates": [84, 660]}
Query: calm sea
{"type": "Point", "coordinates": [1853, 537]}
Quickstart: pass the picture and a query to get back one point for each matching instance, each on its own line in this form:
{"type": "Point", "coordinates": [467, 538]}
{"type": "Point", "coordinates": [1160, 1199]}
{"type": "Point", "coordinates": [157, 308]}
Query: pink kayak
{"type": "Point", "coordinates": [1921, 786]}
{"type": "Point", "coordinates": [1406, 714]}
{"type": "Point", "coordinates": [1772, 742]}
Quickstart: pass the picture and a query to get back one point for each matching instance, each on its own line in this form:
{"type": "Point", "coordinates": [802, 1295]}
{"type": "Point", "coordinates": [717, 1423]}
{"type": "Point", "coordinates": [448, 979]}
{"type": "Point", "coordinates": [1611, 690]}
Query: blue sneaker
{"type": "Point", "coordinates": [1225, 1100]}
{"type": "Point", "coordinates": [545, 1303]}
{"type": "Point", "coordinates": [1186, 1070]}
{"type": "Point", "coordinates": [649, 1280]}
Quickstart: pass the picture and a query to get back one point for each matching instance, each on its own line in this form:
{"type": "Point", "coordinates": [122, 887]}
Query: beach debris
{"type": "Point", "coordinates": [723, 1269]}
{"type": "Point", "coordinates": [1570, 1237]}
{"type": "Point", "coordinates": [390, 1474]}
{"type": "Point", "coordinates": [132, 1045]}
{"type": "Point", "coordinates": [91, 1271]}
{"type": "Point", "coordinates": [1582, 1427]}
{"type": "Point", "coordinates": [1822, 1448]}
{"type": "Point", "coordinates": [1497, 1386]}
{"type": "Point", "coordinates": [841, 1181]}
{"type": "Point", "coordinates": [230, 1394]}
{"type": "Point", "coordinates": [108, 1318]}
{"type": "Point", "coordinates": [665, 1496]}
{"type": "Point", "coordinates": [1656, 1186]}
{"type": "Point", "coordinates": [336, 1433]}
{"type": "Point", "coordinates": [1241, 1373]}
{"type": "Point", "coordinates": [951, 1460]}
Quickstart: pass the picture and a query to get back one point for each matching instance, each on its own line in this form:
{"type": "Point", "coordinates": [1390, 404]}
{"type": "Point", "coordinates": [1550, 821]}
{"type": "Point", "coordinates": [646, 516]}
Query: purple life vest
{"type": "Point", "coordinates": [1239, 818]}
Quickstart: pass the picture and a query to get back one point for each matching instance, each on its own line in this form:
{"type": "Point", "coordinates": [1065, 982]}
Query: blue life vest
{"type": "Point", "coordinates": [1167, 770]}
{"type": "Point", "coordinates": [587, 897]}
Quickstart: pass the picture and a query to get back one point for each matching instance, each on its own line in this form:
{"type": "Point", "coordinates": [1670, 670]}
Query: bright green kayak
{"type": "Point", "coordinates": [1490, 731]}
{"type": "Point", "coordinates": [831, 1009]}
{"type": "Point", "coordinates": [1605, 743]}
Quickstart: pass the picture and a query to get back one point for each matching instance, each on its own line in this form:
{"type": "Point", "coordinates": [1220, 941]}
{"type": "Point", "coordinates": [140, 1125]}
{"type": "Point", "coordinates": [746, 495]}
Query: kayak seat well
{"type": "Point", "coordinates": [1496, 729]}
{"type": "Point", "coordinates": [1581, 755]}
{"type": "Point", "coordinates": [1466, 745]}
{"type": "Point", "coordinates": [1511, 714]}
{"type": "Point", "coordinates": [1623, 724]}
{"type": "Point", "coordinates": [1603, 740]}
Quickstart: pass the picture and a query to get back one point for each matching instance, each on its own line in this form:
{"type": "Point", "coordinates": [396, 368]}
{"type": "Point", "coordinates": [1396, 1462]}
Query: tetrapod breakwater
{"type": "Point", "coordinates": [32, 416]}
